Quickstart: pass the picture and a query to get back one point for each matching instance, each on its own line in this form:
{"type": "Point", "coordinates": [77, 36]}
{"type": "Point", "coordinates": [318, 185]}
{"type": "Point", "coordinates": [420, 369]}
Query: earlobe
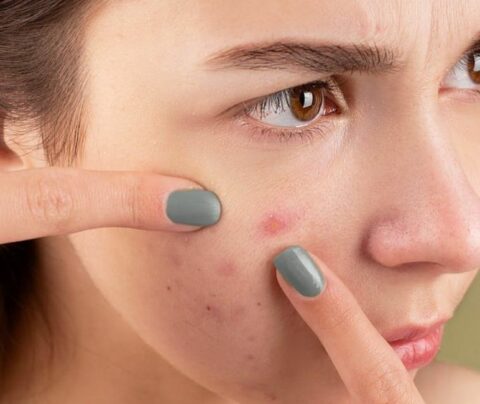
{"type": "Point", "coordinates": [12, 156]}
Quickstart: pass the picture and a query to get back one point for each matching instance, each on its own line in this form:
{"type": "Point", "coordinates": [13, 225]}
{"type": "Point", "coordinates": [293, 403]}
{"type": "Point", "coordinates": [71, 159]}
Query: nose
{"type": "Point", "coordinates": [427, 211]}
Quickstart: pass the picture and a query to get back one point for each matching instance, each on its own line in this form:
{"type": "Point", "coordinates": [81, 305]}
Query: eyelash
{"type": "Point", "coordinates": [307, 132]}
{"type": "Point", "coordinates": [464, 60]}
{"type": "Point", "coordinates": [304, 133]}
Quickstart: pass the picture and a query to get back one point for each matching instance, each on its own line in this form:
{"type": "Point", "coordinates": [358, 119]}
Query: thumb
{"type": "Point", "coordinates": [369, 367]}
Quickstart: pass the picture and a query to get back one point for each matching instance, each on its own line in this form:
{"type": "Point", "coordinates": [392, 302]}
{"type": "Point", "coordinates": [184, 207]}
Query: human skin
{"type": "Point", "coordinates": [388, 198]}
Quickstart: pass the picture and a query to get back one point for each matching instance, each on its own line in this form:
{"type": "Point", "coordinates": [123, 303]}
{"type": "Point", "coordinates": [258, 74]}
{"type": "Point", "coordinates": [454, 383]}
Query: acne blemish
{"type": "Point", "coordinates": [214, 313]}
{"type": "Point", "coordinates": [275, 223]}
{"type": "Point", "coordinates": [259, 304]}
{"type": "Point", "coordinates": [169, 288]}
{"type": "Point", "coordinates": [227, 268]}
{"type": "Point", "coordinates": [175, 260]}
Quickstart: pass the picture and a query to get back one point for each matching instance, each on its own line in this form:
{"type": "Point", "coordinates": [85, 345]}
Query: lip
{"type": "Point", "coordinates": [417, 346]}
{"type": "Point", "coordinates": [412, 332]}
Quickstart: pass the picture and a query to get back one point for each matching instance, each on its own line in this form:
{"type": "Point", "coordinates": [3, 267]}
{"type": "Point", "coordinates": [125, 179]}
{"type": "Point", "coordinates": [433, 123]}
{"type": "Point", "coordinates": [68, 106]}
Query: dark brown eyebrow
{"type": "Point", "coordinates": [314, 57]}
{"type": "Point", "coordinates": [317, 58]}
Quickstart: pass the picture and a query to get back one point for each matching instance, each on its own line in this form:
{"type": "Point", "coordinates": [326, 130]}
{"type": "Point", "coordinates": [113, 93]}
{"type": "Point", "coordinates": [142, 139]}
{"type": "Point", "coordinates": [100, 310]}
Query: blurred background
{"type": "Point", "coordinates": [461, 338]}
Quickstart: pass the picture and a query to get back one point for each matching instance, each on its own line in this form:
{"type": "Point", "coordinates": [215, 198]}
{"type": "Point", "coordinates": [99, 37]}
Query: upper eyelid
{"type": "Point", "coordinates": [333, 88]}
{"type": "Point", "coordinates": [472, 48]}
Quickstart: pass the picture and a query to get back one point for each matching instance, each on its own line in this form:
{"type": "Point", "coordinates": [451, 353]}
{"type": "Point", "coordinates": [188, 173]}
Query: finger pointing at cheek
{"type": "Point", "coordinates": [370, 369]}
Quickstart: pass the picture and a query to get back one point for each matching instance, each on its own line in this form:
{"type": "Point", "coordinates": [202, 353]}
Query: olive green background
{"type": "Point", "coordinates": [461, 338]}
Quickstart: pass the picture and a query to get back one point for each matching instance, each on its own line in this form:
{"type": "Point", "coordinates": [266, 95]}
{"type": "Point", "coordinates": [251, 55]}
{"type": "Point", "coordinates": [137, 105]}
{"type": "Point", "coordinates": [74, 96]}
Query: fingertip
{"type": "Point", "coordinates": [300, 271]}
{"type": "Point", "coordinates": [192, 208]}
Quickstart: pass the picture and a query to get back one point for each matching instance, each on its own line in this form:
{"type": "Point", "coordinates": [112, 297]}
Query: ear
{"type": "Point", "coordinates": [13, 156]}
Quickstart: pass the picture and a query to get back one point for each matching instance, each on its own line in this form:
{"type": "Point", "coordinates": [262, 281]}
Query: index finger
{"type": "Point", "coordinates": [369, 367]}
{"type": "Point", "coordinates": [49, 201]}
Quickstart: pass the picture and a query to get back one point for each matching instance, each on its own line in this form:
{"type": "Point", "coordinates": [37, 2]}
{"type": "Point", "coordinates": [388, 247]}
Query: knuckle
{"type": "Point", "coordinates": [388, 385]}
{"type": "Point", "coordinates": [134, 201]}
{"type": "Point", "coordinates": [50, 200]}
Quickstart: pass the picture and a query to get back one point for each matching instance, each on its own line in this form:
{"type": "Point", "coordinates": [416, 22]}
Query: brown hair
{"type": "Point", "coordinates": [41, 89]}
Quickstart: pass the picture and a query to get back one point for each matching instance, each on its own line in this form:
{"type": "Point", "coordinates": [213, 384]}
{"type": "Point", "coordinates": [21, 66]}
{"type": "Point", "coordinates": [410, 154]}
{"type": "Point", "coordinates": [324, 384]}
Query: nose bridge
{"type": "Point", "coordinates": [427, 210]}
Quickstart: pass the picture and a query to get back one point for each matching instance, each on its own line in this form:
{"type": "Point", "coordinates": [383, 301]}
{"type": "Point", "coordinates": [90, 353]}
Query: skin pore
{"type": "Point", "coordinates": [386, 192]}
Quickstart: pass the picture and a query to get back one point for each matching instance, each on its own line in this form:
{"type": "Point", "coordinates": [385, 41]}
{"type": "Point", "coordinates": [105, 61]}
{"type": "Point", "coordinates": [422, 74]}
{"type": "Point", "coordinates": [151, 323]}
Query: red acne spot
{"type": "Point", "coordinates": [273, 225]}
{"type": "Point", "coordinates": [168, 287]}
{"type": "Point", "coordinates": [214, 313]}
{"type": "Point", "coordinates": [228, 268]}
{"type": "Point", "coordinates": [276, 223]}
{"type": "Point", "coordinates": [250, 357]}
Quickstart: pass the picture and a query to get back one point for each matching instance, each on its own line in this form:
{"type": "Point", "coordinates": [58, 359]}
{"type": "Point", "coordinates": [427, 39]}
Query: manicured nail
{"type": "Point", "coordinates": [299, 269]}
{"type": "Point", "coordinates": [196, 207]}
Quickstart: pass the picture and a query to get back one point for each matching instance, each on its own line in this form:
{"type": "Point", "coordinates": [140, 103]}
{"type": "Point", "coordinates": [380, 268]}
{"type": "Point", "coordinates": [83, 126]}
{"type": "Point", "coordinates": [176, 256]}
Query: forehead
{"type": "Point", "coordinates": [356, 21]}
{"type": "Point", "coordinates": [433, 22]}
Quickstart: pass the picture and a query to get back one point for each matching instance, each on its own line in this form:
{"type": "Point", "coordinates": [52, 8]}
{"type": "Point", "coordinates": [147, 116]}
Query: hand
{"type": "Point", "coordinates": [370, 369]}
{"type": "Point", "coordinates": [50, 201]}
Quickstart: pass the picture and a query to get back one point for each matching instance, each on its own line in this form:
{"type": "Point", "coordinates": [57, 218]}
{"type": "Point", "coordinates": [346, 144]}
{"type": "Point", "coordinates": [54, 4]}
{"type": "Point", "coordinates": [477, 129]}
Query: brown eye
{"type": "Point", "coordinates": [296, 107]}
{"type": "Point", "coordinates": [306, 102]}
{"type": "Point", "coordinates": [474, 67]}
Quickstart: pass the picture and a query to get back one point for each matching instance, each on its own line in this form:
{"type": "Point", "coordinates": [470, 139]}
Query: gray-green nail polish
{"type": "Point", "coordinates": [299, 269]}
{"type": "Point", "coordinates": [196, 207]}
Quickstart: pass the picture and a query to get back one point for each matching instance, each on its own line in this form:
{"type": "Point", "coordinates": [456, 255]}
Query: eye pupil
{"type": "Point", "coordinates": [306, 105]}
{"type": "Point", "coordinates": [474, 67]}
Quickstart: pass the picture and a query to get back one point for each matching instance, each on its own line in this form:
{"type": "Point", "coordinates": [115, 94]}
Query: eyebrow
{"type": "Point", "coordinates": [316, 57]}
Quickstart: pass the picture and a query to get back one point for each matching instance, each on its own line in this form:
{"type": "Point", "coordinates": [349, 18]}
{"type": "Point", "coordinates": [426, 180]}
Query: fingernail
{"type": "Point", "coordinates": [299, 269]}
{"type": "Point", "coordinates": [196, 207]}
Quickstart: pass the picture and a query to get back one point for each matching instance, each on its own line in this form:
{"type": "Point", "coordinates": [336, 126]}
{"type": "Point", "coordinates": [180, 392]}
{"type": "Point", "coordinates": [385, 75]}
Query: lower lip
{"type": "Point", "coordinates": [420, 352]}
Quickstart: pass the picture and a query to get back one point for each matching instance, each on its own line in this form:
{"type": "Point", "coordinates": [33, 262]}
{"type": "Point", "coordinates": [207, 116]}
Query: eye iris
{"type": "Point", "coordinates": [306, 105]}
{"type": "Point", "coordinates": [474, 67]}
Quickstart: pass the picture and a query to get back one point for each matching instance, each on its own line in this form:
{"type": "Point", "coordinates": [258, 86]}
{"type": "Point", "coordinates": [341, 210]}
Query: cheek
{"type": "Point", "coordinates": [225, 273]}
{"type": "Point", "coordinates": [201, 297]}
{"type": "Point", "coordinates": [222, 286]}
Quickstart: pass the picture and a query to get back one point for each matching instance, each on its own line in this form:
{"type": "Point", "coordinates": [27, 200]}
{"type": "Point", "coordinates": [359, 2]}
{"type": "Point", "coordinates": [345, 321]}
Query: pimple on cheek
{"type": "Point", "coordinates": [275, 223]}
{"type": "Point", "coordinates": [227, 268]}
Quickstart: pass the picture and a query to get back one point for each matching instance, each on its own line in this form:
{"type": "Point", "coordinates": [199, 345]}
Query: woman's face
{"type": "Point", "coordinates": [383, 186]}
